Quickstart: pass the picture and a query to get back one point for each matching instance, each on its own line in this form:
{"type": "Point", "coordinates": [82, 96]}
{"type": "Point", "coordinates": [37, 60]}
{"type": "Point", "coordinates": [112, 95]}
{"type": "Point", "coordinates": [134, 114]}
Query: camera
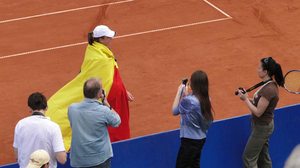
{"type": "Point", "coordinates": [240, 88]}
{"type": "Point", "coordinates": [104, 96]}
{"type": "Point", "coordinates": [184, 81]}
{"type": "Point", "coordinates": [103, 93]}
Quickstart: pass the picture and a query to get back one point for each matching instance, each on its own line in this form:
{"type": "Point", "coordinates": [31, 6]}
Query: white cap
{"type": "Point", "coordinates": [38, 158]}
{"type": "Point", "coordinates": [103, 30]}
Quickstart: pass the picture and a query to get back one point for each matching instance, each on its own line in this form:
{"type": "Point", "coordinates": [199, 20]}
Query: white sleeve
{"type": "Point", "coordinates": [57, 140]}
{"type": "Point", "coordinates": [293, 160]}
{"type": "Point", "coordinates": [16, 142]}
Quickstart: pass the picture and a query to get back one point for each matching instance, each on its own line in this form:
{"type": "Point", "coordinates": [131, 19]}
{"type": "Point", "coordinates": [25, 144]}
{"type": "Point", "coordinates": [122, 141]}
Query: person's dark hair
{"type": "Point", "coordinates": [91, 38]}
{"type": "Point", "coordinates": [91, 88]}
{"type": "Point", "coordinates": [37, 101]}
{"type": "Point", "coordinates": [199, 85]}
{"type": "Point", "coordinates": [273, 69]}
{"type": "Point", "coordinates": [44, 165]}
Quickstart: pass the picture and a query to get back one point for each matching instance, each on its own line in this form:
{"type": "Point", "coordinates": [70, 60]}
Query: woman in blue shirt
{"type": "Point", "coordinates": [195, 118]}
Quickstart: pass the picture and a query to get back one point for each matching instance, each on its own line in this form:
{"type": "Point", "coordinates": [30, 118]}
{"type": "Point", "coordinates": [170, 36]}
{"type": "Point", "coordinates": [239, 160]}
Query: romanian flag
{"type": "Point", "coordinates": [99, 62]}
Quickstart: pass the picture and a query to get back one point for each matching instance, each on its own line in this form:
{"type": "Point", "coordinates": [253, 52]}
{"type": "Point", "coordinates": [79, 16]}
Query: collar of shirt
{"type": "Point", "coordinates": [88, 100]}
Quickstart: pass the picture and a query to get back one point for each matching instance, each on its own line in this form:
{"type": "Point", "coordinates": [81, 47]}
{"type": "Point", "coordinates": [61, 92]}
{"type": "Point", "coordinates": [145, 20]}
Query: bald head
{"type": "Point", "coordinates": [92, 88]}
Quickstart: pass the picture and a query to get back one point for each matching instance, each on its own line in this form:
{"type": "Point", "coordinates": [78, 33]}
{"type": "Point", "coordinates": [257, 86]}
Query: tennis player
{"type": "Point", "coordinates": [99, 62]}
{"type": "Point", "coordinates": [256, 153]}
{"type": "Point", "coordinates": [98, 54]}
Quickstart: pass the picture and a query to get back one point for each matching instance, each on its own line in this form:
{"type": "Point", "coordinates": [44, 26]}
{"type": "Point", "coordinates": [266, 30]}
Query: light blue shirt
{"type": "Point", "coordinates": [192, 123]}
{"type": "Point", "coordinates": [91, 144]}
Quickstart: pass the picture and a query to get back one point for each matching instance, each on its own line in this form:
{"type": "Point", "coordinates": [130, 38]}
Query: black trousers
{"type": "Point", "coordinates": [189, 153]}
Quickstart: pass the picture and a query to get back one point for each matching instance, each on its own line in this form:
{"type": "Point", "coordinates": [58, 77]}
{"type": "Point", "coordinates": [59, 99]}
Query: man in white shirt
{"type": "Point", "coordinates": [294, 159]}
{"type": "Point", "coordinates": [38, 132]}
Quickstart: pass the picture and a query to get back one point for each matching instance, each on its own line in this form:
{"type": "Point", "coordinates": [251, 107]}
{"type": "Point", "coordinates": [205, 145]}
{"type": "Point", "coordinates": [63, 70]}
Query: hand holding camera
{"type": "Point", "coordinates": [241, 89]}
{"type": "Point", "coordinates": [185, 81]}
{"type": "Point", "coordinates": [104, 100]}
{"type": "Point", "coordinates": [242, 93]}
{"type": "Point", "coordinates": [182, 89]}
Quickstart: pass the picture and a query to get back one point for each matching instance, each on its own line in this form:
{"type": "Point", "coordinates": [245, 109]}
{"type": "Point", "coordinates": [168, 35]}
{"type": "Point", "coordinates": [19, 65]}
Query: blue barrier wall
{"type": "Point", "coordinates": [227, 138]}
{"type": "Point", "coordinates": [223, 148]}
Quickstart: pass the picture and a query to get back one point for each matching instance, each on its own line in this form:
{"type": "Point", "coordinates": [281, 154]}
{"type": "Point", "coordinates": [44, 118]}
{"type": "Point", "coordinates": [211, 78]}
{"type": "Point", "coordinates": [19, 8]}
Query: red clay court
{"type": "Point", "coordinates": [158, 43]}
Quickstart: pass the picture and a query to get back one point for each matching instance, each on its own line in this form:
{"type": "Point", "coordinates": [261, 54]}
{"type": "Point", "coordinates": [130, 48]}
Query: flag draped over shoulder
{"type": "Point", "coordinates": [99, 62]}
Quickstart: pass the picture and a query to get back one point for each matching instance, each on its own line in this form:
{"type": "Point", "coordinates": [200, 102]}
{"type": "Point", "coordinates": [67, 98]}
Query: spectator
{"type": "Point", "coordinates": [294, 159]}
{"type": "Point", "coordinates": [195, 118]}
{"type": "Point", "coordinates": [89, 119]}
{"type": "Point", "coordinates": [39, 159]}
{"type": "Point", "coordinates": [262, 106]}
{"type": "Point", "coordinates": [38, 132]}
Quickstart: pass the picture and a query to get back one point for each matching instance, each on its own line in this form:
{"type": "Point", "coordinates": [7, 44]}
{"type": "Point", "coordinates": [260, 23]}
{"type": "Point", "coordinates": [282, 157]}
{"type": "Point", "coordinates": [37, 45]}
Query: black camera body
{"type": "Point", "coordinates": [240, 88]}
{"type": "Point", "coordinates": [185, 81]}
{"type": "Point", "coordinates": [104, 96]}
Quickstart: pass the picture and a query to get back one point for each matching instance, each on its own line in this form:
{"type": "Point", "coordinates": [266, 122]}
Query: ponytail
{"type": "Point", "coordinates": [278, 75]}
{"type": "Point", "coordinates": [273, 69]}
{"type": "Point", "coordinates": [90, 38]}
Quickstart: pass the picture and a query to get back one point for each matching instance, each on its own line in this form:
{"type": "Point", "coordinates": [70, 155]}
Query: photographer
{"type": "Point", "coordinates": [256, 153]}
{"type": "Point", "coordinates": [196, 116]}
{"type": "Point", "coordinates": [89, 119]}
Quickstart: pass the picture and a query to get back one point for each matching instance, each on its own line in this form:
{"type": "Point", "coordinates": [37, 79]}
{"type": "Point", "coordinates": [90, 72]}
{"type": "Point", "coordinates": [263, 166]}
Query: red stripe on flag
{"type": "Point", "coordinates": [118, 100]}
